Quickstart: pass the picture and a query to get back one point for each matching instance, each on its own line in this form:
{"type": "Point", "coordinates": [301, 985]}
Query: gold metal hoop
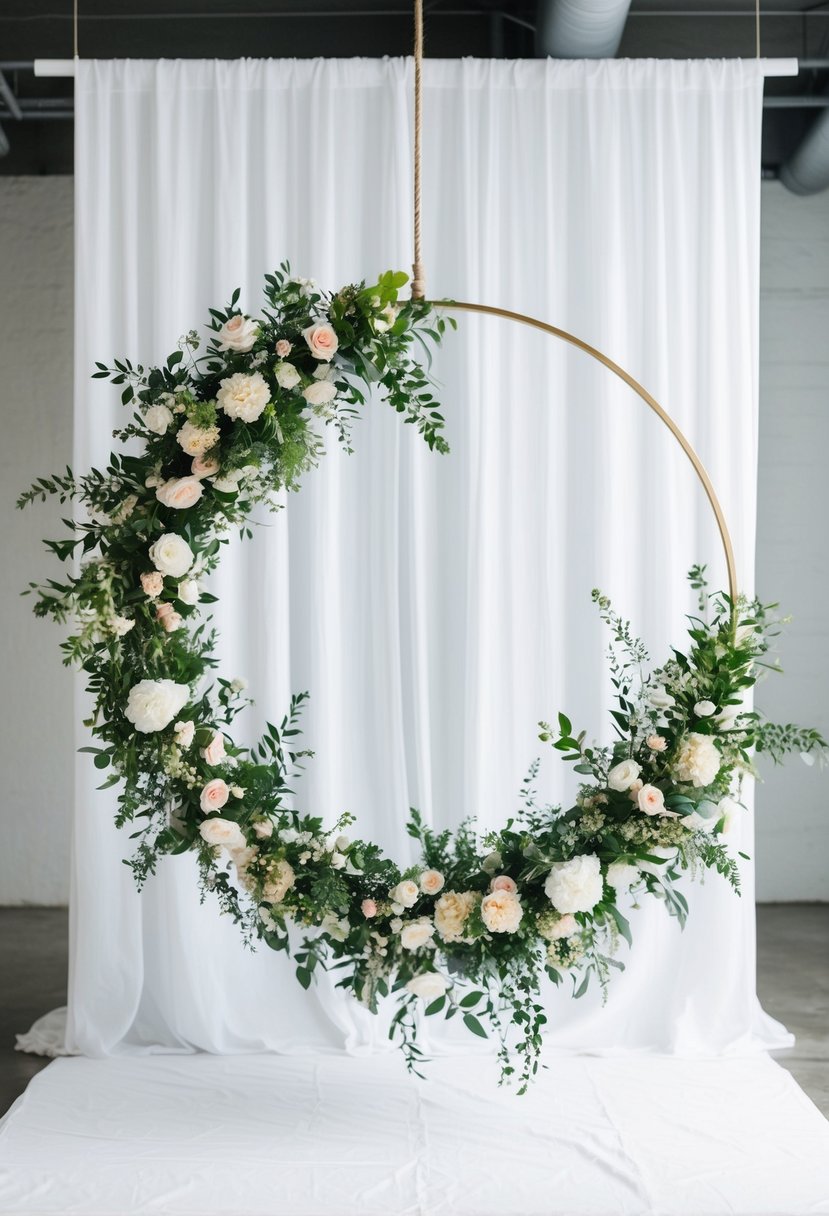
{"type": "Point", "coordinates": [651, 402]}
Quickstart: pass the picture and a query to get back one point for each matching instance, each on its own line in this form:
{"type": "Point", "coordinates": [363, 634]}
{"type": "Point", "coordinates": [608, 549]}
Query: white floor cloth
{"type": "Point", "coordinates": [337, 1136]}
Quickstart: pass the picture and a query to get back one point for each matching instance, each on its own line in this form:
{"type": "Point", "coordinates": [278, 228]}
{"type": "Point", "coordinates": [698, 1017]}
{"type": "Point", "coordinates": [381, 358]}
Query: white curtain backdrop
{"type": "Point", "coordinates": [436, 608]}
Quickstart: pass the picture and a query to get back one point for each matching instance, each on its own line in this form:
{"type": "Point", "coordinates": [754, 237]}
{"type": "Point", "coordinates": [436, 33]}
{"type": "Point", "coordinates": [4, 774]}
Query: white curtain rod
{"type": "Point", "coordinates": [66, 67]}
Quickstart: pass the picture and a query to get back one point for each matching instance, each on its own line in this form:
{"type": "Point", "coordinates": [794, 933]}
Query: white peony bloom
{"type": "Point", "coordinates": [238, 333]}
{"type": "Point", "coordinates": [196, 440]}
{"type": "Point", "coordinates": [405, 893]}
{"type": "Point", "coordinates": [158, 418]}
{"type": "Point", "coordinates": [698, 760]}
{"type": "Point", "coordinates": [416, 933]}
{"type": "Point", "coordinates": [428, 986]}
{"type": "Point", "coordinates": [189, 591]}
{"type": "Point", "coordinates": [622, 776]}
{"type": "Point", "coordinates": [222, 832]}
{"type": "Point", "coordinates": [286, 375]}
{"type": "Point", "coordinates": [121, 625]}
{"type": "Point", "coordinates": [320, 392]}
{"type": "Point", "coordinates": [501, 911]}
{"type": "Point", "coordinates": [431, 882]}
{"type": "Point", "coordinates": [575, 885]}
{"type": "Point", "coordinates": [621, 876]}
{"type": "Point", "coordinates": [704, 709]}
{"type": "Point", "coordinates": [152, 704]}
{"type": "Point", "coordinates": [243, 397]}
{"type": "Point", "coordinates": [172, 555]}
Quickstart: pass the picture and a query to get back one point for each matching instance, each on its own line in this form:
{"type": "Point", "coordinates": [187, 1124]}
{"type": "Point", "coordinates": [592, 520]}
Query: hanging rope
{"type": "Point", "coordinates": [75, 28]}
{"type": "Point", "coordinates": [757, 28]}
{"type": "Point", "coordinates": [418, 272]}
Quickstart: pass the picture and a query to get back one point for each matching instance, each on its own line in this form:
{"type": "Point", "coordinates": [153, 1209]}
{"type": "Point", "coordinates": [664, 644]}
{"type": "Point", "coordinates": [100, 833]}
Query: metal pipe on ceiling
{"type": "Point", "coordinates": [579, 29]}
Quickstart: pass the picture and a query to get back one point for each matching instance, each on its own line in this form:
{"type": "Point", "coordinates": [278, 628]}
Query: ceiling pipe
{"type": "Point", "coordinates": [807, 169]}
{"type": "Point", "coordinates": [579, 29]}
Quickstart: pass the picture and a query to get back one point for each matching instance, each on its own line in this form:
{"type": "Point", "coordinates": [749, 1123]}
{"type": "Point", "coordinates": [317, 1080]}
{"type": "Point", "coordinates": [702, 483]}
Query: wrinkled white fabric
{"type": "Point", "coordinates": [270, 1136]}
{"type": "Point", "coordinates": [436, 607]}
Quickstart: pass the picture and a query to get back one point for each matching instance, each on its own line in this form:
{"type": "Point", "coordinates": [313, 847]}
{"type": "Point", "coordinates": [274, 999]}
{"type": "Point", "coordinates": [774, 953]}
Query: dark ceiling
{"type": "Point", "coordinates": [42, 29]}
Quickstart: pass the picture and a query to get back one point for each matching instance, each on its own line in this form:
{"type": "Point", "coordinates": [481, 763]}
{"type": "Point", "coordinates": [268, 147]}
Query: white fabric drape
{"type": "Point", "coordinates": [436, 608]}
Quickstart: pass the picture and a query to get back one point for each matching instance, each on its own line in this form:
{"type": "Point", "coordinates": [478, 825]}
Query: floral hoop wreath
{"type": "Point", "coordinates": [472, 928]}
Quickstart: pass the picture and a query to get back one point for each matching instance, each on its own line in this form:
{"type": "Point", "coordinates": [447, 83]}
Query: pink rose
{"type": "Point", "coordinates": [152, 584]}
{"type": "Point", "coordinates": [215, 750]}
{"type": "Point", "coordinates": [322, 341]}
{"type": "Point", "coordinates": [180, 492]}
{"type": "Point", "coordinates": [503, 882]}
{"type": "Point", "coordinates": [167, 617]}
{"type": "Point", "coordinates": [651, 800]}
{"type": "Point", "coordinates": [368, 908]}
{"type": "Point", "coordinates": [238, 333]}
{"type": "Point", "coordinates": [283, 348]}
{"type": "Point", "coordinates": [214, 795]}
{"type": "Point", "coordinates": [204, 466]}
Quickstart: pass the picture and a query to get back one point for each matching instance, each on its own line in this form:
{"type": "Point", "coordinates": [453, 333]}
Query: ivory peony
{"type": "Point", "coordinates": [196, 440]}
{"type": "Point", "coordinates": [243, 397]}
{"type": "Point", "coordinates": [222, 832]}
{"type": "Point", "coordinates": [452, 911]}
{"type": "Point", "coordinates": [501, 911]}
{"type": "Point", "coordinates": [428, 986]}
{"type": "Point", "coordinates": [158, 418]}
{"type": "Point", "coordinates": [698, 760]}
{"type": "Point", "coordinates": [239, 334]}
{"type": "Point", "coordinates": [152, 704]}
{"type": "Point", "coordinates": [172, 555]}
{"type": "Point", "coordinates": [575, 885]}
{"type": "Point", "coordinates": [180, 493]}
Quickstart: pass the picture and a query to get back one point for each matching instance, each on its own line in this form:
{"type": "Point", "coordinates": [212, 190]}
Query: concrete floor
{"type": "Point", "coordinates": [793, 982]}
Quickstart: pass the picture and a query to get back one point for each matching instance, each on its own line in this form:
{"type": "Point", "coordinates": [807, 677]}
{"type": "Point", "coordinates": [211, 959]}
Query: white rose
{"type": "Point", "coordinates": [622, 776]}
{"type": "Point", "coordinates": [501, 911]}
{"type": "Point", "coordinates": [337, 860]}
{"type": "Point", "coordinates": [222, 832]}
{"type": "Point", "coordinates": [621, 876]}
{"type": "Point", "coordinates": [428, 986]}
{"type": "Point", "coordinates": [336, 927]}
{"type": "Point", "coordinates": [238, 333]}
{"type": "Point", "coordinates": [650, 800]}
{"type": "Point", "coordinates": [658, 868]}
{"type": "Point", "coordinates": [152, 704]}
{"type": "Point", "coordinates": [698, 760]}
{"type": "Point", "coordinates": [121, 625]}
{"type": "Point", "coordinates": [172, 555]}
{"type": "Point", "coordinates": [158, 418]}
{"type": "Point", "coordinates": [431, 882]}
{"type": "Point", "coordinates": [320, 392]}
{"type": "Point", "coordinates": [189, 591]}
{"type": "Point", "coordinates": [704, 709]}
{"type": "Point", "coordinates": [286, 375]}
{"type": "Point", "coordinates": [196, 440]}
{"type": "Point", "coordinates": [184, 733]}
{"type": "Point", "coordinates": [416, 933]}
{"type": "Point", "coordinates": [243, 397]}
{"type": "Point", "coordinates": [405, 893]}
{"type": "Point", "coordinates": [575, 885]}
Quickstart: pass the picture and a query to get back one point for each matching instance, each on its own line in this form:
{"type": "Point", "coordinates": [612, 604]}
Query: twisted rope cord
{"type": "Point", "coordinates": [418, 270]}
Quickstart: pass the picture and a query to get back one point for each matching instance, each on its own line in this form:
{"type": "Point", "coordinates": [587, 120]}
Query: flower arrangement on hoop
{"type": "Point", "coordinates": [472, 928]}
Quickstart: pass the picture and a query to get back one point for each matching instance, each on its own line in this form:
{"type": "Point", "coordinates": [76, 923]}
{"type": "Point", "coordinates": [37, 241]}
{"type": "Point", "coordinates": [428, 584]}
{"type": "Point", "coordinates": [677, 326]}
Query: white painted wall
{"type": "Point", "coordinates": [36, 415]}
{"type": "Point", "coordinates": [793, 553]}
{"type": "Point", "coordinates": [35, 438]}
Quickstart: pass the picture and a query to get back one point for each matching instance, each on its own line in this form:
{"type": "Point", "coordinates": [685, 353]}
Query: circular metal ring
{"type": "Point", "coordinates": [651, 402]}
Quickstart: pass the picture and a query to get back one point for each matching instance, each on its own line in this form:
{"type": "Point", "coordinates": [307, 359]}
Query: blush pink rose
{"type": "Point", "coordinates": [283, 348]}
{"type": "Point", "coordinates": [322, 341]}
{"type": "Point", "coordinates": [503, 882]}
{"type": "Point", "coordinates": [368, 908]}
{"type": "Point", "coordinates": [152, 584]}
{"type": "Point", "coordinates": [651, 800]}
{"type": "Point", "coordinates": [180, 493]}
{"type": "Point", "coordinates": [214, 795]}
{"type": "Point", "coordinates": [167, 617]}
{"type": "Point", "coordinates": [215, 750]}
{"type": "Point", "coordinates": [204, 466]}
